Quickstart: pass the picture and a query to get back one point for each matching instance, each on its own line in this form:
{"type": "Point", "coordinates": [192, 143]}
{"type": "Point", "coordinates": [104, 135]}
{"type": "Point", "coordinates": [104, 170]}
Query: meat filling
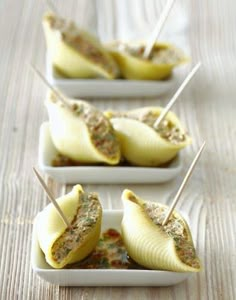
{"type": "Point", "coordinates": [166, 129]}
{"type": "Point", "coordinates": [86, 217]}
{"type": "Point", "coordinates": [100, 129]}
{"type": "Point", "coordinates": [175, 228]}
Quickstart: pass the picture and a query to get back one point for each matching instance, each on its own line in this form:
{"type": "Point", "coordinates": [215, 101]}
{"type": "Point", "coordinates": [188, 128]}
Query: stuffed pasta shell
{"type": "Point", "coordinates": [76, 53]}
{"type": "Point", "coordinates": [158, 66]}
{"type": "Point", "coordinates": [144, 145]}
{"type": "Point", "coordinates": [152, 245]}
{"type": "Point", "coordinates": [82, 133]}
{"type": "Point", "coordinates": [61, 245]}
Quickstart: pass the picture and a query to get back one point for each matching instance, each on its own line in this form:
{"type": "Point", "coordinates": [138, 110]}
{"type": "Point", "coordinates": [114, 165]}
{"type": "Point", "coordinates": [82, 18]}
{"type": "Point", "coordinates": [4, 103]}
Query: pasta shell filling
{"type": "Point", "coordinates": [175, 228]}
{"type": "Point", "coordinates": [99, 127]}
{"type": "Point", "coordinates": [85, 219]}
{"type": "Point", "coordinates": [166, 129]}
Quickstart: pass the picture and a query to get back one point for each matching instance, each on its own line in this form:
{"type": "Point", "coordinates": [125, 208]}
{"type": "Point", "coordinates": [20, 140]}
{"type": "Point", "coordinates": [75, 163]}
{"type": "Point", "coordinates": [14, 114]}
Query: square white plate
{"type": "Point", "coordinates": [99, 174]}
{"type": "Point", "coordinates": [100, 88]}
{"type": "Point", "coordinates": [96, 277]}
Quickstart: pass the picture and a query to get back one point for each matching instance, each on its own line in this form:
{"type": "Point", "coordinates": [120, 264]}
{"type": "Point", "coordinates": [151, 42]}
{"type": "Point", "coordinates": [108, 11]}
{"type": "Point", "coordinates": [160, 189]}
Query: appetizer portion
{"type": "Point", "coordinates": [82, 133]}
{"type": "Point", "coordinates": [169, 247]}
{"type": "Point", "coordinates": [74, 52]}
{"type": "Point", "coordinates": [144, 145]}
{"type": "Point", "coordinates": [158, 66]}
{"type": "Point", "coordinates": [62, 245]}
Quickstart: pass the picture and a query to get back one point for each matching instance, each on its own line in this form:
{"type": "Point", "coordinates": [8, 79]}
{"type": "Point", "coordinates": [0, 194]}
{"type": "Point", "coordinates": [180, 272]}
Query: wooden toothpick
{"type": "Point", "coordinates": [158, 28]}
{"type": "Point", "coordinates": [50, 196]}
{"type": "Point", "coordinates": [60, 97]}
{"type": "Point", "coordinates": [190, 170]}
{"type": "Point", "coordinates": [176, 95]}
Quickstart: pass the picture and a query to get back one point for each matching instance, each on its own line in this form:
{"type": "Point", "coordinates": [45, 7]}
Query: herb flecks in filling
{"type": "Point", "coordinates": [86, 217]}
{"type": "Point", "coordinates": [166, 129]}
{"type": "Point", "coordinates": [175, 228]}
{"type": "Point", "coordinates": [100, 129]}
{"type": "Point", "coordinates": [77, 39]}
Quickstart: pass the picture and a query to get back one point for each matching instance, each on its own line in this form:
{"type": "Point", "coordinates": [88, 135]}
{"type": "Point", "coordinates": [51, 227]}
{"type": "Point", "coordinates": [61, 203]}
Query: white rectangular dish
{"type": "Point", "coordinates": [100, 88]}
{"type": "Point", "coordinates": [101, 277]}
{"type": "Point", "coordinates": [100, 174]}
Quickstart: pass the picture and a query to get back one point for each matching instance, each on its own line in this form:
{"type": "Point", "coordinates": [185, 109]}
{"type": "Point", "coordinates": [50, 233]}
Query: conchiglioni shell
{"type": "Point", "coordinates": [132, 67]}
{"type": "Point", "coordinates": [69, 61]}
{"type": "Point", "coordinates": [145, 242]}
{"type": "Point", "coordinates": [49, 227]}
{"type": "Point", "coordinates": [140, 144]}
{"type": "Point", "coordinates": [71, 136]}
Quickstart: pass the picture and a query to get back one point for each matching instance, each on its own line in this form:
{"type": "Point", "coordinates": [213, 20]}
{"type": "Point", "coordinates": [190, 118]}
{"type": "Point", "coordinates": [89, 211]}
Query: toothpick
{"type": "Point", "coordinates": [63, 100]}
{"type": "Point", "coordinates": [190, 170]}
{"type": "Point", "coordinates": [158, 28]}
{"type": "Point", "coordinates": [50, 196]}
{"type": "Point", "coordinates": [52, 7]}
{"type": "Point", "coordinates": [176, 95]}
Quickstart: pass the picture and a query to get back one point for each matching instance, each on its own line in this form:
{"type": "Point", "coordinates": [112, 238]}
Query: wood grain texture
{"type": "Point", "coordinates": [207, 107]}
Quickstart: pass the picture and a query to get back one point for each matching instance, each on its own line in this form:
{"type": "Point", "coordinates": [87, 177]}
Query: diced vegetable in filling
{"type": "Point", "coordinates": [77, 39]}
{"type": "Point", "coordinates": [86, 217]}
{"type": "Point", "coordinates": [100, 129]}
{"type": "Point", "coordinates": [175, 228]}
{"type": "Point", "coordinates": [159, 54]}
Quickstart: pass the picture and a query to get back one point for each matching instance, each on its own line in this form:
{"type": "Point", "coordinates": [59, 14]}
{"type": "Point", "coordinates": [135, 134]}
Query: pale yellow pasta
{"type": "Point", "coordinates": [62, 245]}
{"type": "Point", "coordinates": [152, 246]}
{"type": "Point", "coordinates": [82, 133]}
{"type": "Point", "coordinates": [76, 53]}
{"type": "Point", "coordinates": [142, 144]}
{"type": "Point", "coordinates": [129, 56]}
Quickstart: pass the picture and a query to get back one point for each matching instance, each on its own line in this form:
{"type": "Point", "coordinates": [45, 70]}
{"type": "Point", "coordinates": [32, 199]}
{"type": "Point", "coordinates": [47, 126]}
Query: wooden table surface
{"type": "Point", "coordinates": [207, 107]}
